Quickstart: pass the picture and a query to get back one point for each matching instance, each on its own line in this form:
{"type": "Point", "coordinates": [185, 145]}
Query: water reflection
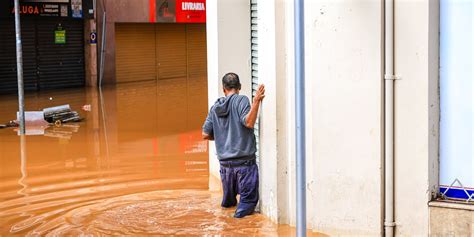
{"type": "Point", "coordinates": [136, 165]}
{"type": "Point", "coordinates": [24, 173]}
{"type": "Point", "coordinates": [63, 131]}
{"type": "Point", "coordinates": [134, 140]}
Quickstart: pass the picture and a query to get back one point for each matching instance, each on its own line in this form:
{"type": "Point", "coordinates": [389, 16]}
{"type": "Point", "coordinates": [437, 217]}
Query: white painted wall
{"type": "Point", "coordinates": [344, 88]}
{"type": "Point", "coordinates": [268, 121]}
{"type": "Point", "coordinates": [344, 85]}
{"type": "Point", "coordinates": [416, 54]}
{"type": "Point", "coordinates": [228, 50]}
{"type": "Point", "coordinates": [275, 68]}
{"type": "Point", "coordinates": [330, 69]}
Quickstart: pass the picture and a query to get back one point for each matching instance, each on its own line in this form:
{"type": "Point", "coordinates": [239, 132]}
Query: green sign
{"type": "Point", "coordinates": [60, 37]}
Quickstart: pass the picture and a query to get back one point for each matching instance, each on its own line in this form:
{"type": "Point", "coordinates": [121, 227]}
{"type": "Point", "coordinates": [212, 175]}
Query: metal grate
{"type": "Point", "coordinates": [457, 191]}
{"type": "Point", "coordinates": [254, 63]}
{"type": "Point", "coordinates": [46, 65]}
{"type": "Point", "coordinates": [8, 73]}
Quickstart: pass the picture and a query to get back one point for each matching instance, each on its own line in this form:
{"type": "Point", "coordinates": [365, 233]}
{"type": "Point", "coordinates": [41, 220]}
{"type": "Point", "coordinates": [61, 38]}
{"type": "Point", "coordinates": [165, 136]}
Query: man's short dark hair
{"type": "Point", "coordinates": [231, 81]}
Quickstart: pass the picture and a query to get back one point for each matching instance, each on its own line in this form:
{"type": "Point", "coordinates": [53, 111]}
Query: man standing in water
{"type": "Point", "coordinates": [230, 124]}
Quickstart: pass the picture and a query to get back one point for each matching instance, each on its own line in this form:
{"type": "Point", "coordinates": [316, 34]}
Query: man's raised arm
{"type": "Point", "coordinates": [252, 115]}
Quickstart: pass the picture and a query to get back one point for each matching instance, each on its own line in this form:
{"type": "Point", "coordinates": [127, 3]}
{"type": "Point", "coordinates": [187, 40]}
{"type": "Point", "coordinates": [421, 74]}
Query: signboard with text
{"type": "Point", "coordinates": [47, 8]}
{"type": "Point", "coordinates": [191, 11]}
{"type": "Point", "coordinates": [60, 36]}
{"type": "Point", "coordinates": [76, 8]}
{"type": "Point", "coordinates": [40, 9]}
{"type": "Point", "coordinates": [179, 11]}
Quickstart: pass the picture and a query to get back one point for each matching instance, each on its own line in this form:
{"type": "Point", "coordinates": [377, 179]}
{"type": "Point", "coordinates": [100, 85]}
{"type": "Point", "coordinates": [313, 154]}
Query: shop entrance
{"type": "Point", "coordinates": [53, 54]}
{"type": "Point", "coordinates": [160, 51]}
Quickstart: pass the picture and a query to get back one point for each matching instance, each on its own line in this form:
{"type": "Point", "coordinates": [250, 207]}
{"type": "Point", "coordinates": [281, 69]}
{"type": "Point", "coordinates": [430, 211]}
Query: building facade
{"type": "Point", "coordinates": [58, 44]}
{"type": "Point", "coordinates": [153, 40]}
{"type": "Point", "coordinates": [346, 121]}
{"type": "Point", "coordinates": [62, 42]}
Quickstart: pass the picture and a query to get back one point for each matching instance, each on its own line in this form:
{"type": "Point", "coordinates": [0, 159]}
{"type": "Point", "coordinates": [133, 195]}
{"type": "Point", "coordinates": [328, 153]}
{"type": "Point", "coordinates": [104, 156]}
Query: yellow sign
{"type": "Point", "coordinates": [60, 37]}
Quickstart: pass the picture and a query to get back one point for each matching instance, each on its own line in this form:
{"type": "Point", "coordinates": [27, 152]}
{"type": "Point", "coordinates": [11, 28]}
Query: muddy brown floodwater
{"type": "Point", "coordinates": [135, 166]}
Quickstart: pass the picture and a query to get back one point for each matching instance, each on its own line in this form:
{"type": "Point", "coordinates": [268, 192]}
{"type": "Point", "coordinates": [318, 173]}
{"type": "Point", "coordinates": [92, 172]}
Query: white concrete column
{"type": "Point", "coordinates": [228, 50]}
{"type": "Point", "coordinates": [287, 126]}
{"type": "Point", "coordinates": [268, 121]}
{"type": "Point", "coordinates": [344, 84]}
{"type": "Point", "coordinates": [276, 63]}
{"type": "Point", "coordinates": [416, 114]}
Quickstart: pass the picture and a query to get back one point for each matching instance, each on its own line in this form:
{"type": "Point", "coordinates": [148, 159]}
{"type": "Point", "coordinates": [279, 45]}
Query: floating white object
{"type": "Point", "coordinates": [87, 108]}
{"type": "Point", "coordinates": [33, 118]}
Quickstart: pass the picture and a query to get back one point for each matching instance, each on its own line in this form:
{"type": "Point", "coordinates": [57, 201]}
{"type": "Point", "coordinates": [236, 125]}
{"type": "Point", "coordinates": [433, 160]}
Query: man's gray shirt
{"type": "Point", "coordinates": [226, 123]}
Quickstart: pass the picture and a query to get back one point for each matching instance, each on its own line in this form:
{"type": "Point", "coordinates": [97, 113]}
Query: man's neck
{"type": "Point", "coordinates": [229, 93]}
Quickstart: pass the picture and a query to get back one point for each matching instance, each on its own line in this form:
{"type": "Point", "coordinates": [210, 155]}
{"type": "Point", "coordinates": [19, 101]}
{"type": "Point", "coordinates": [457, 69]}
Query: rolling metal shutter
{"type": "Point", "coordinates": [60, 65]}
{"type": "Point", "coordinates": [160, 51]}
{"type": "Point", "coordinates": [135, 52]}
{"type": "Point", "coordinates": [254, 56]}
{"type": "Point", "coordinates": [197, 73]}
{"type": "Point", "coordinates": [8, 80]}
{"type": "Point", "coordinates": [171, 50]}
{"type": "Point", "coordinates": [8, 76]}
{"type": "Point", "coordinates": [45, 64]}
{"type": "Point", "coordinates": [197, 50]}
{"type": "Point", "coordinates": [30, 55]}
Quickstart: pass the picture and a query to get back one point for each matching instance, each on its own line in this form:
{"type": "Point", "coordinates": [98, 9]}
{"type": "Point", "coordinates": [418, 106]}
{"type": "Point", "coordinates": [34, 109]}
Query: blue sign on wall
{"type": "Point", "coordinates": [93, 38]}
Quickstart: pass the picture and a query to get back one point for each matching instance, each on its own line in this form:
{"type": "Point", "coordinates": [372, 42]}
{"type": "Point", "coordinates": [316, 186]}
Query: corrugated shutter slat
{"type": "Point", "coordinates": [171, 50]}
{"type": "Point", "coordinates": [254, 62]}
{"type": "Point", "coordinates": [60, 65]}
{"type": "Point", "coordinates": [135, 52]}
{"type": "Point", "coordinates": [197, 50]}
{"type": "Point", "coordinates": [8, 74]}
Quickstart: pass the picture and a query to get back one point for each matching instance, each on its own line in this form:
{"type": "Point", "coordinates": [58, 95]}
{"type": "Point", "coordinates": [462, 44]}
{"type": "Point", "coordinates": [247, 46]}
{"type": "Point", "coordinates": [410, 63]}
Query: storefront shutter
{"type": "Point", "coordinates": [197, 73]}
{"type": "Point", "coordinates": [8, 73]}
{"type": "Point", "coordinates": [197, 50]}
{"type": "Point", "coordinates": [60, 65]}
{"type": "Point", "coordinates": [254, 59]}
{"type": "Point", "coordinates": [171, 50]}
{"type": "Point", "coordinates": [135, 52]}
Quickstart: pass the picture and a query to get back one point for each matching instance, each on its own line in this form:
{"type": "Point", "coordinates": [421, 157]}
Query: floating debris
{"type": "Point", "coordinates": [62, 113]}
{"type": "Point", "coordinates": [53, 115]}
{"type": "Point", "coordinates": [10, 124]}
{"type": "Point", "coordinates": [87, 108]}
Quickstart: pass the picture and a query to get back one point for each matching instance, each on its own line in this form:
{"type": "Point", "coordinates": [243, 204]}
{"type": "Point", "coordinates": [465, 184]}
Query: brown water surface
{"type": "Point", "coordinates": [136, 165]}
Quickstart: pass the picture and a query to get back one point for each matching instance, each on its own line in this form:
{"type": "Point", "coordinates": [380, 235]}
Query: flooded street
{"type": "Point", "coordinates": [136, 165]}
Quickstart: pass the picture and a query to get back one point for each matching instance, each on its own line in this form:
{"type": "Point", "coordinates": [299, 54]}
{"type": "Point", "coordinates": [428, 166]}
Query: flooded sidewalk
{"type": "Point", "coordinates": [136, 165]}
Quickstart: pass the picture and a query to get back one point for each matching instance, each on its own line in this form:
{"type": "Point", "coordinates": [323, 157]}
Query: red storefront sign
{"type": "Point", "coordinates": [191, 11]}
{"type": "Point", "coordinates": [179, 11]}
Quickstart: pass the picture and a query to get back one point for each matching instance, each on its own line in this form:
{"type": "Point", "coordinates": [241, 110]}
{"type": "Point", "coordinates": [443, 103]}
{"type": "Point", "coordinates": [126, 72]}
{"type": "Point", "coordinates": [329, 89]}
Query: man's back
{"type": "Point", "coordinates": [226, 123]}
{"type": "Point", "coordinates": [230, 124]}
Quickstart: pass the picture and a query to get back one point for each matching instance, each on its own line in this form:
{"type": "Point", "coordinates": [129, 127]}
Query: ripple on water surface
{"type": "Point", "coordinates": [135, 166]}
{"type": "Point", "coordinates": [160, 213]}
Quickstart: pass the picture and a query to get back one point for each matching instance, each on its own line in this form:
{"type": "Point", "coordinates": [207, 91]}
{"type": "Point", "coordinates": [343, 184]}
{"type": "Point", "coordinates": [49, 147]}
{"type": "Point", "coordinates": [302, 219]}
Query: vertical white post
{"type": "Point", "coordinates": [389, 123]}
{"type": "Point", "coordinates": [300, 120]}
{"type": "Point", "coordinates": [19, 69]}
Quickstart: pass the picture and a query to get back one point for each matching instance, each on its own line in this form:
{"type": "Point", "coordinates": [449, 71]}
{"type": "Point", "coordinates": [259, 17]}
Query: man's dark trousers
{"type": "Point", "coordinates": [240, 177]}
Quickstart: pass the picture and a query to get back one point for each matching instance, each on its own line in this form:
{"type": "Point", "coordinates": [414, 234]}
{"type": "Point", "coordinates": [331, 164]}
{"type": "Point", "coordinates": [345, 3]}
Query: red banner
{"type": "Point", "coordinates": [152, 14]}
{"type": "Point", "coordinates": [191, 11]}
